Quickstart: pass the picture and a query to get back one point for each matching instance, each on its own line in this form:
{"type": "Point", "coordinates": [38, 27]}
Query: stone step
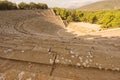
{"type": "Point", "coordinates": [24, 75]}
{"type": "Point", "coordinates": [42, 57]}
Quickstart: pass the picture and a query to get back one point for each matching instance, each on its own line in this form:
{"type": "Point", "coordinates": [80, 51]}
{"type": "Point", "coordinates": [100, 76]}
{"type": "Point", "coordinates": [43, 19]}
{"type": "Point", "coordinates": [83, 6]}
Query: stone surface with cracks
{"type": "Point", "coordinates": [34, 45]}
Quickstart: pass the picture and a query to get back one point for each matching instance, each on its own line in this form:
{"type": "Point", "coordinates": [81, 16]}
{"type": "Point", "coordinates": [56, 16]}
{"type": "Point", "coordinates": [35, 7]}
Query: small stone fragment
{"type": "Point", "coordinates": [51, 61]}
{"type": "Point", "coordinates": [22, 51]}
{"type": "Point", "coordinates": [78, 64]}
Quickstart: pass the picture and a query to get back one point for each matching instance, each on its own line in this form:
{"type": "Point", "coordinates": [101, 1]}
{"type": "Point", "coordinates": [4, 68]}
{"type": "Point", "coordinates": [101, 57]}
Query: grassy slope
{"type": "Point", "coordinates": [102, 5]}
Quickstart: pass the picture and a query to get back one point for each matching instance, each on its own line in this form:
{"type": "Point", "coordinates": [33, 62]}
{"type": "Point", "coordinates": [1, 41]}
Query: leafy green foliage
{"type": "Point", "coordinates": [32, 5]}
{"type": "Point", "coordinates": [106, 18]}
{"type": "Point", "coordinates": [6, 5]}
{"type": "Point", "coordinates": [23, 5]}
{"type": "Point", "coordinates": [42, 6]}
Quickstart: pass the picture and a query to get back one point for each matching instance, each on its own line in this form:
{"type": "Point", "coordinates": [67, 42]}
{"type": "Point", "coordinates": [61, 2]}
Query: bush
{"type": "Point", "coordinates": [23, 5]}
{"type": "Point", "coordinates": [106, 18]}
{"type": "Point", "coordinates": [6, 5]}
{"type": "Point", "coordinates": [32, 5]}
{"type": "Point", "coordinates": [42, 6]}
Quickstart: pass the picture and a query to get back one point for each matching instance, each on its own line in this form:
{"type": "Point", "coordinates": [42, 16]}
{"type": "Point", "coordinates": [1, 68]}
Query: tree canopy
{"type": "Point", "coordinates": [7, 5]}
{"type": "Point", "coordinates": [32, 5]}
{"type": "Point", "coordinates": [106, 18]}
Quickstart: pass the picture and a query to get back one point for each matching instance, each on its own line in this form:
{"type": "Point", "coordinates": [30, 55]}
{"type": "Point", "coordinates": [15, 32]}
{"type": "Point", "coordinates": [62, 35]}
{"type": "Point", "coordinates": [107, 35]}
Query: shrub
{"type": "Point", "coordinates": [32, 5]}
{"type": "Point", "coordinates": [6, 5]}
{"type": "Point", "coordinates": [106, 18]}
{"type": "Point", "coordinates": [42, 6]}
{"type": "Point", "coordinates": [24, 6]}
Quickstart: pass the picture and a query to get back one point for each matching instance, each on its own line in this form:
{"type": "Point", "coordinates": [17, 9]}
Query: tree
{"type": "Point", "coordinates": [106, 18]}
{"type": "Point", "coordinates": [33, 5]}
{"type": "Point", "coordinates": [7, 5]}
{"type": "Point", "coordinates": [57, 10]}
{"type": "Point", "coordinates": [42, 6]}
{"type": "Point", "coordinates": [23, 5]}
{"type": "Point", "coordinates": [69, 18]}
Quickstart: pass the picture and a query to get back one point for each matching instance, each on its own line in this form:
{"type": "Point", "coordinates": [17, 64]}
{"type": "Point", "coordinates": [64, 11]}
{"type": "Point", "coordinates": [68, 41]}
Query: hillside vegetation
{"type": "Point", "coordinates": [106, 18]}
{"type": "Point", "coordinates": [102, 5]}
{"type": "Point", "coordinates": [7, 5]}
